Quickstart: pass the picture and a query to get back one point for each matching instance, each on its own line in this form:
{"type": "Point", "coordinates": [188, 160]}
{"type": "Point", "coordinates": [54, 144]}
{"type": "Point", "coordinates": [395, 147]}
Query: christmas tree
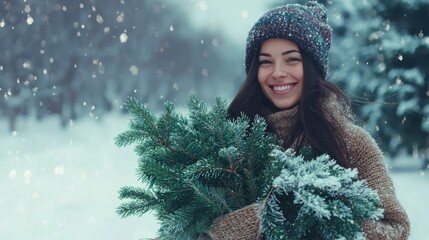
{"type": "Point", "coordinates": [198, 166]}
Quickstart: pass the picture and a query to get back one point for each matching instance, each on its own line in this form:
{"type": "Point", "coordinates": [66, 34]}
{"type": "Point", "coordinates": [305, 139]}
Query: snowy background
{"type": "Point", "coordinates": [66, 67]}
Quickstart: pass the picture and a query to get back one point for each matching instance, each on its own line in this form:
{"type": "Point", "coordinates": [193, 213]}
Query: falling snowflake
{"type": "Point", "coordinates": [399, 80]}
{"type": "Point", "coordinates": [99, 19]}
{"type": "Point", "coordinates": [26, 65]}
{"type": "Point", "coordinates": [120, 17]}
{"type": "Point", "coordinates": [215, 42]}
{"type": "Point", "coordinates": [30, 20]}
{"type": "Point", "coordinates": [12, 174]}
{"type": "Point", "coordinates": [176, 86]}
{"type": "Point", "coordinates": [134, 70]}
{"type": "Point", "coordinates": [59, 170]}
{"type": "Point", "coordinates": [27, 9]}
{"type": "Point", "coordinates": [27, 176]}
{"type": "Point", "coordinates": [123, 38]}
{"type": "Point", "coordinates": [205, 72]}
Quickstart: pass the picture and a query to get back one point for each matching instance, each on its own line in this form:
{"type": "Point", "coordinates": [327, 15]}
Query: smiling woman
{"type": "Point", "coordinates": [286, 83]}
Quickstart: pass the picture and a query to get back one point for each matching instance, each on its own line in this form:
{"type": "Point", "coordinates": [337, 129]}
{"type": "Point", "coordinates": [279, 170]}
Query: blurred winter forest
{"type": "Point", "coordinates": [75, 59]}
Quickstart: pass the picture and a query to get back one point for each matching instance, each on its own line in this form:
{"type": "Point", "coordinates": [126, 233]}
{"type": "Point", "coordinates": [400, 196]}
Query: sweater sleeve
{"type": "Point", "coordinates": [365, 155]}
{"type": "Point", "coordinates": [242, 224]}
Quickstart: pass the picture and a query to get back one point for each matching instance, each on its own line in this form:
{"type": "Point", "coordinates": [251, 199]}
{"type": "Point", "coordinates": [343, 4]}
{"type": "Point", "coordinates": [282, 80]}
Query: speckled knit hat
{"type": "Point", "coordinates": [306, 25]}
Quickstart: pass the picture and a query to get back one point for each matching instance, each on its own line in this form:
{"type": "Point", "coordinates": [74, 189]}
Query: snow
{"type": "Point", "coordinates": [412, 189]}
{"type": "Point", "coordinates": [62, 184]}
{"type": "Point", "coordinates": [57, 184]}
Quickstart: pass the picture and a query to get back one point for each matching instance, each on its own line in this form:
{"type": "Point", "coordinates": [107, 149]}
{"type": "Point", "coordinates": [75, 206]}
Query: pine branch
{"type": "Point", "coordinates": [206, 163]}
{"type": "Point", "coordinates": [329, 203]}
{"type": "Point", "coordinates": [141, 201]}
{"type": "Point", "coordinates": [134, 208]}
{"type": "Point", "coordinates": [158, 174]}
{"type": "Point", "coordinates": [129, 137]}
{"type": "Point", "coordinates": [144, 120]}
{"type": "Point", "coordinates": [135, 193]}
{"type": "Point", "coordinates": [214, 197]}
{"type": "Point", "coordinates": [144, 124]}
{"type": "Point", "coordinates": [179, 225]}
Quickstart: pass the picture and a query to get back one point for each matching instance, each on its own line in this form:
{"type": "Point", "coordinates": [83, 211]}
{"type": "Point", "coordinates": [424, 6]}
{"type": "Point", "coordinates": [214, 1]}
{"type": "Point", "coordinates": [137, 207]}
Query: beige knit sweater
{"type": "Point", "coordinates": [364, 155]}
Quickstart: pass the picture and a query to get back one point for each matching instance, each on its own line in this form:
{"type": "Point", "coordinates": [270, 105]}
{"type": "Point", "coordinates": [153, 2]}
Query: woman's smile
{"type": "Point", "coordinates": [283, 89]}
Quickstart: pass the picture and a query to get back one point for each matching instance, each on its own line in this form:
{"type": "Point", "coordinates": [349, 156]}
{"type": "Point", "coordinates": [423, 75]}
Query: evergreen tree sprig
{"type": "Point", "coordinates": [316, 199]}
{"type": "Point", "coordinates": [198, 166]}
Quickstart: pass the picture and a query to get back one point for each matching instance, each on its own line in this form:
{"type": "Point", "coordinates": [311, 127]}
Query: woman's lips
{"type": "Point", "coordinates": [283, 89]}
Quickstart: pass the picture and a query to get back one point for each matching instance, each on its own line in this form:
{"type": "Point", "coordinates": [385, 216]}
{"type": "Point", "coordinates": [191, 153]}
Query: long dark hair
{"type": "Point", "coordinates": [322, 134]}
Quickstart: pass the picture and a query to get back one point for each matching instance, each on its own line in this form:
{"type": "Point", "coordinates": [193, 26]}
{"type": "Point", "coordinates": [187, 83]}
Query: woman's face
{"type": "Point", "coordinates": [281, 73]}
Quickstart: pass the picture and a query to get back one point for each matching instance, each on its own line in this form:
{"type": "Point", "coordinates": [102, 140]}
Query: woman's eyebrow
{"type": "Point", "coordinates": [283, 53]}
{"type": "Point", "coordinates": [290, 51]}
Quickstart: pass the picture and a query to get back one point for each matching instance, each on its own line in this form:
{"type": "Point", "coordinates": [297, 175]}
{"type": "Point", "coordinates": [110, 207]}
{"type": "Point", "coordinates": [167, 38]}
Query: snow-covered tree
{"type": "Point", "coordinates": [382, 47]}
{"type": "Point", "coordinates": [79, 58]}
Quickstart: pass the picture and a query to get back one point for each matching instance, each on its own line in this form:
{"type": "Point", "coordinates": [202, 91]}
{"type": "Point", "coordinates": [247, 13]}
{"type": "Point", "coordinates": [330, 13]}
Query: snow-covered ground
{"type": "Point", "coordinates": [62, 184]}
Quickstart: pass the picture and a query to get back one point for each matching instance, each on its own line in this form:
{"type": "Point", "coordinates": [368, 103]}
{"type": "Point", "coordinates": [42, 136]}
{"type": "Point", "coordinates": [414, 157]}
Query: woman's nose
{"type": "Point", "coordinates": [279, 71]}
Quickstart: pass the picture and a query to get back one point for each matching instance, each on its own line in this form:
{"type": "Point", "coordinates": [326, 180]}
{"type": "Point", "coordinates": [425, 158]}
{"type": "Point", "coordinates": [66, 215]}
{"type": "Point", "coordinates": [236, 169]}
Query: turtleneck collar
{"type": "Point", "coordinates": [282, 121]}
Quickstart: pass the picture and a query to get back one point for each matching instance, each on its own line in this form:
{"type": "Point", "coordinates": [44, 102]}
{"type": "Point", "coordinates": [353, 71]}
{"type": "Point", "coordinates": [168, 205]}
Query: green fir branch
{"type": "Point", "coordinates": [129, 137]}
{"type": "Point", "coordinates": [211, 197]}
{"type": "Point", "coordinates": [143, 119]}
{"type": "Point", "coordinates": [157, 174]}
{"type": "Point", "coordinates": [198, 167]}
{"type": "Point", "coordinates": [325, 197]}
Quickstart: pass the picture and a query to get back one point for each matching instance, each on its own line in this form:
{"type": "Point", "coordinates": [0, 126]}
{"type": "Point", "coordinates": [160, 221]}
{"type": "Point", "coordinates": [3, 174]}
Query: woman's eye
{"type": "Point", "coordinates": [292, 59]}
{"type": "Point", "coordinates": [264, 62]}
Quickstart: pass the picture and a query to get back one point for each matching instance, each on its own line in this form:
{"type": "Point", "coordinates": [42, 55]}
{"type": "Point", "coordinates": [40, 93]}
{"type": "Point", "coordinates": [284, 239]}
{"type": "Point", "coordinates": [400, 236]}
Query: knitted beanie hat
{"type": "Point", "coordinates": [306, 25]}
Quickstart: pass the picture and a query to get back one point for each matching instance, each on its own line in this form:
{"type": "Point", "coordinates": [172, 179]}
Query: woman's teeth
{"type": "Point", "coordinates": [282, 88]}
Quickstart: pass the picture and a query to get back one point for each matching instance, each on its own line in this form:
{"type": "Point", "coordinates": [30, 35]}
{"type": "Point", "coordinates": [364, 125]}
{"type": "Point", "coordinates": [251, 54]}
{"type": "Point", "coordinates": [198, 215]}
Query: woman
{"type": "Point", "coordinates": [286, 65]}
